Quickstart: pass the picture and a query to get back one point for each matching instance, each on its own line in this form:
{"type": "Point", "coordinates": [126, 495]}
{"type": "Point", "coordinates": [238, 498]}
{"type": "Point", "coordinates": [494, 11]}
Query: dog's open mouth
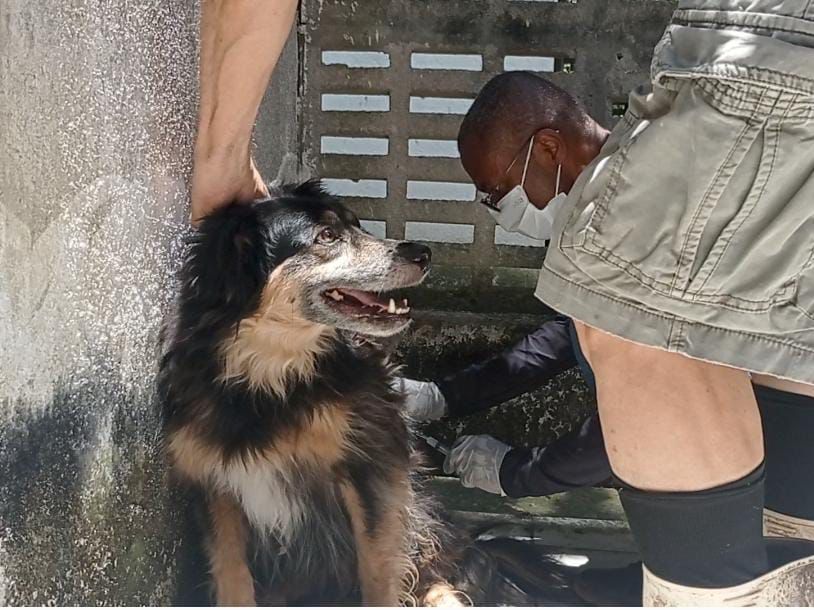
{"type": "Point", "coordinates": [367, 304]}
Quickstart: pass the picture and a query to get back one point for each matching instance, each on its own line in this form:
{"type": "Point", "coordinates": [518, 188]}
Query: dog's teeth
{"type": "Point", "coordinates": [404, 303]}
{"type": "Point", "coordinates": [406, 310]}
{"type": "Point", "coordinates": [391, 307]}
{"type": "Point", "coordinates": [336, 295]}
{"type": "Point", "coordinates": [403, 310]}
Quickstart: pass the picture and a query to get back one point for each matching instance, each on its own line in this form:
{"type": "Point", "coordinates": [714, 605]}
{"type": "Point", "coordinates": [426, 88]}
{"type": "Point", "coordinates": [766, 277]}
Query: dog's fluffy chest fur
{"type": "Point", "coordinates": [272, 483]}
{"type": "Point", "coordinates": [288, 462]}
{"type": "Point", "coordinates": [264, 491]}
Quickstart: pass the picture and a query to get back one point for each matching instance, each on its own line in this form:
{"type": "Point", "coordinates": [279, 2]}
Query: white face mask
{"type": "Point", "coordinates": [517, 214]}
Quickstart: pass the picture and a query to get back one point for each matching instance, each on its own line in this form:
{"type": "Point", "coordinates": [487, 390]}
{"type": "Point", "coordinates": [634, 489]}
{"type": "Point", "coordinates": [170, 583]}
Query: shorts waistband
{"type": "Point", "coordinates": [687, 52]}
{"type": "Point", "coordinates": [765, 17]}
{"type": "Point", "coordinates": [790, 29]}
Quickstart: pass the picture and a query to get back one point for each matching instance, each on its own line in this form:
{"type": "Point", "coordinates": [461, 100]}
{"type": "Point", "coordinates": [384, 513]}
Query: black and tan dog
{"type": "Point", "coordinates": [278, 409]}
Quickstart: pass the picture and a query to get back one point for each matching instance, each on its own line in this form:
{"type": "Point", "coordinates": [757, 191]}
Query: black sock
{"type": "Point", "coordinates": [788, 423]}
{"type": "Point", "coordinates": [711, 538]}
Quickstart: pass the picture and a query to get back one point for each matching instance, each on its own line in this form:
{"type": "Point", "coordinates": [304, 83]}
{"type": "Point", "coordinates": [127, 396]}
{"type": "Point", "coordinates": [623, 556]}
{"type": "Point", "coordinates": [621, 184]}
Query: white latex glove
{"type": "Point", "coordinates": [477, 460]}
{"type": "Point", "coordinates": [423, 399]}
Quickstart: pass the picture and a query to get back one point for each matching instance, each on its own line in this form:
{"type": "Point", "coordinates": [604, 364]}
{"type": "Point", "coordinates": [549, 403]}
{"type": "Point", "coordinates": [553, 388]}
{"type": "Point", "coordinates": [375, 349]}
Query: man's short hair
{"type": "Point", "coordinates": [515, 105]}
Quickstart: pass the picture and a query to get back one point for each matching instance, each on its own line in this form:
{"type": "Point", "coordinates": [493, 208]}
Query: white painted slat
{"type": "Point", "coordinates": [510, 238]}
{"type": "Point", "coordinates": [433, 190]}
{"type": "Point", "coordinates": [446, 61]}
{"type": "Point", "coordinates": [343, 187]}
{"type": "Point", "coordinates": [447, 149]}
{"type": "Point", "coordinates": [378, 228]}
{"type": "Point", "coordinates": [439, 105]}
{"type": "Point", "coordinates": [339, 145]}
{"type": "Point", "coordinates": [442, 232]}
{"type": "Point", "coordinates": [531, 63]}
{"type": "Point", "coordinates": [348, 102]}
{"type": "Point", "coordinates": [356, 59]}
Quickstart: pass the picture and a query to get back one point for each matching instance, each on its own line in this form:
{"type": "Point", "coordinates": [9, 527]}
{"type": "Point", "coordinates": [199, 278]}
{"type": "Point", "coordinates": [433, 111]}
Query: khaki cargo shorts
{"type": "Point", "coordinates": [693, 231]}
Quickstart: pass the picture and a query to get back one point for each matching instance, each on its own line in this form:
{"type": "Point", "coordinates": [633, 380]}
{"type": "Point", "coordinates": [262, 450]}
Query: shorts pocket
{"type": "Point", "coordinates": [663, 185]}
{"type": "Point", "coordinates": [757, 252]}
{"type": "Point", "coordinates": [804, 289]}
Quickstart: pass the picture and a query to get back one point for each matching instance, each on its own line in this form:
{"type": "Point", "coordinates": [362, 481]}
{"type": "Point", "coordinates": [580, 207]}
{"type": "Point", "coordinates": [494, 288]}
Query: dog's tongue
{"type": "Point", "coordinates": [366, 298]}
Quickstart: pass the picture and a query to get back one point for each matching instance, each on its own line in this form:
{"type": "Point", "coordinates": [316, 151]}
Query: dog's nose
{"type": "Point", "coordinates": [415, 253]}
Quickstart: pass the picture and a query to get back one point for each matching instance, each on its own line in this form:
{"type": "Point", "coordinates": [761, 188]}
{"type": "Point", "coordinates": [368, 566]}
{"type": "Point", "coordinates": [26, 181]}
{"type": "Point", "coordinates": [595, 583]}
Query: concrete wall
{"type": "Point", "coordinates": [97, 109]}
{"type": "Point", "coordinates": [401, 72]}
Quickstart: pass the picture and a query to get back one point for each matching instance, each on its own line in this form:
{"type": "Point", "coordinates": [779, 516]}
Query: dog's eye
{"type": "Point", "coordinates": [326, 236]}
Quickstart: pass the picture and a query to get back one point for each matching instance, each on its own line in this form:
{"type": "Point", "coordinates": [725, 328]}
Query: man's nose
{"type": "Point", "coordinates": [415, 253]}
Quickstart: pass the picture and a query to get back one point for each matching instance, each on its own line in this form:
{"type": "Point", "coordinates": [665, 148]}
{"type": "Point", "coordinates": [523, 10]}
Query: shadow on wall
{"type": "Point", "coordinates": [87, 514]}
{"type": "Point", "coordinates": [87, 517]}
{"type": "Point", "coordinates": [98, 109]}
{"type": "Point", "coordinates": [80, 518]}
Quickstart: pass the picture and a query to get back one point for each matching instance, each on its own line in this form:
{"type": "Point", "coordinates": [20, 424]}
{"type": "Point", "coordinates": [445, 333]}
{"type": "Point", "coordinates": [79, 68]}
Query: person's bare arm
{"type": "Point", "coordinates": [241, 41]}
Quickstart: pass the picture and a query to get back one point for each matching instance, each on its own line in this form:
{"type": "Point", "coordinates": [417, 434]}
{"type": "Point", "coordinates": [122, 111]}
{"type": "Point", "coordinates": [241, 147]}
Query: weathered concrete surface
{"type": "Point", "coordinates": [276, 134]}
{"type": "Point", "coordinates": [97, 110]}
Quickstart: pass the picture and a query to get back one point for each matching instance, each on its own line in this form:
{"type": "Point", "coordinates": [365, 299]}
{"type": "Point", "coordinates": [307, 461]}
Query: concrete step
{"type": "Point", "coordinates": [570, 532]}
{"type": "Point", "coordinates": [586, 519]}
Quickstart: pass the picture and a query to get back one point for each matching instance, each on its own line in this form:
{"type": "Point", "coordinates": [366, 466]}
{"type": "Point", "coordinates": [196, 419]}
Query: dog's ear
{"type": "Point", "coordinates": [227, 264]}
{"type": "Point", "coordinates": [311, 189]}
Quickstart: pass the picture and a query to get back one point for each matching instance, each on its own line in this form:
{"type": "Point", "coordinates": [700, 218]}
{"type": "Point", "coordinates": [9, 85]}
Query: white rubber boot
{"type": "Point", "coordinates": [658, 592]}
{"type": "Point", "coordinates": [785, 526]}
{"type": "Point", "coordinates": [791, 584]}
{"type": "Point", "coordinates": [788, 585]}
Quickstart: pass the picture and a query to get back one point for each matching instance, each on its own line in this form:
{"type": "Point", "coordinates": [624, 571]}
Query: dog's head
{"type": "Point", "coordinates": [302, 254]}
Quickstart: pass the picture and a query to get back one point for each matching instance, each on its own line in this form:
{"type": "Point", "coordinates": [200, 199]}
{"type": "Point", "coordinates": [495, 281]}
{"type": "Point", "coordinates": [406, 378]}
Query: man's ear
{"type": "Point", "coordinates": [549, 149]}
{"type": "Point", "coordinates": [227, 263]}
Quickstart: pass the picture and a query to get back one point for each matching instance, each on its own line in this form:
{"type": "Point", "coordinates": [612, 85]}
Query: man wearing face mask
{"type": "Point", "coordinates": [511, 144]}
{"type": "Point", "coordinates": [524, 142]}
